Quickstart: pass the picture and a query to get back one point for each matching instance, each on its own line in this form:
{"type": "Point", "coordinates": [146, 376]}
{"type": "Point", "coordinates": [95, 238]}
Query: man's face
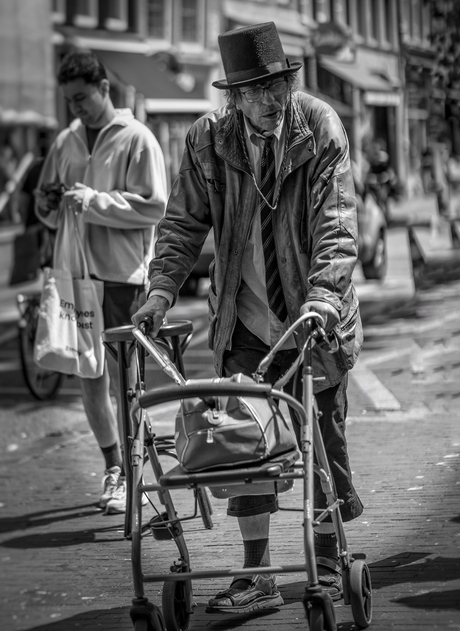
{"type": "Point", "coordinates": [87, 101]}
{"type": "Point", "coordinates": [267, 111]}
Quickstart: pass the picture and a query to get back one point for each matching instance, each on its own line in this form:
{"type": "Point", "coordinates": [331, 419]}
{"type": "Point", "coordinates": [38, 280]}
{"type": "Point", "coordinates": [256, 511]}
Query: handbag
{"type": "Point", "coordinates": [70, 319]}
{"type": "Point", "coordinates": [230, 431]}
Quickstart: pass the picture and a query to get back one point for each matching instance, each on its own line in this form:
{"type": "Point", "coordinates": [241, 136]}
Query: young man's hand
{"type": "Point", "coordinates": [77, 198]}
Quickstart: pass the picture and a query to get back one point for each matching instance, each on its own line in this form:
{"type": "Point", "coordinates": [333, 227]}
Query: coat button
{"type": "Point", "coordinates": [283, 259]}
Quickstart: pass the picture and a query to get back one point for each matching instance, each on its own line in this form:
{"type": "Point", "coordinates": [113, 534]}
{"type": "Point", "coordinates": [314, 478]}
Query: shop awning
{"type": "Point", "coordinates": [26, 67]}
{"type": "Point", "coordinates": [379, 87]}
{"type": "Point", "coordinates": [342, 109]}
{"type": "Point", "coordinates": [163, 90]}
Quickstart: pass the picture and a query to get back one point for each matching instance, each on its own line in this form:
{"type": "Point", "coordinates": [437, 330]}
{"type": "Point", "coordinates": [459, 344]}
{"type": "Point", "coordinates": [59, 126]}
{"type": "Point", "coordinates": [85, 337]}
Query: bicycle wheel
{"type": "Point", "coordinates": [43, 384]}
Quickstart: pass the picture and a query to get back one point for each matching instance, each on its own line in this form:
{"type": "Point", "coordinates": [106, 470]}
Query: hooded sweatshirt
{"type": "Point", "coordinates": [126, 194]}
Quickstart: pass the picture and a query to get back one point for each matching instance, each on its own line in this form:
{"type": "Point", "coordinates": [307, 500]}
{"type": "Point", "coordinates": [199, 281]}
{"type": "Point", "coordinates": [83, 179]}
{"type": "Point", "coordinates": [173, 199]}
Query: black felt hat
{"type": "Point", "coordinates": [252, 54]}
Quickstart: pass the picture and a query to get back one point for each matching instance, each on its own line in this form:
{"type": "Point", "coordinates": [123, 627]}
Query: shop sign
{"type": "Point", "coordinates": [330, 38]}
{"type": "Point", "coordinates": [382, 98]}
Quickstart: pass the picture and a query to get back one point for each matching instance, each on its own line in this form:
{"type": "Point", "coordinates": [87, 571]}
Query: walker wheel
{"type": "Point", "coordinates": [361, 593]}
{"type": "Point", "coordinates": [142, 624]}
{"type": "Point", "coordinates": [315, 617]}
{"type": "Point", "coordinates": [177, 604]}
{"type": "Point", "coordinates": [146, 616]}
{"type": "Point", "coordinates": [155, 623]}
{"type": "Point", "coordinates": [205, 507]}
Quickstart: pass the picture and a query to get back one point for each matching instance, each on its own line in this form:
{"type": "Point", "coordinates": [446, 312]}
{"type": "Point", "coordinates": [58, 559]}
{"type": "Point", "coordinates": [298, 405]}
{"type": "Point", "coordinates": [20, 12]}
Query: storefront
{"type": "Point", "coordinates": [370, 87]}
{"type": "Point", "coordinates": [165, 94]}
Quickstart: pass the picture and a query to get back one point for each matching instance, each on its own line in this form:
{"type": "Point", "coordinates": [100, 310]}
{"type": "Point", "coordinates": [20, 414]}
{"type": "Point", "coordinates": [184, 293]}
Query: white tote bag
{"type": "Point", "coordinates": [70, 321]}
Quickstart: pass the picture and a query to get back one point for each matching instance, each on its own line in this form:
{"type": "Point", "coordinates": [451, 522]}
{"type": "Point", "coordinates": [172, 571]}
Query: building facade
{"type": "Point", "coordinates": [370, 59]}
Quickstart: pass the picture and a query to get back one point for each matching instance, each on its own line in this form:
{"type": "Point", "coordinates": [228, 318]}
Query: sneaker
{"type": "Point", "coordinates": [109, 485]}
{"type": "Point", "coordinates": [261, 593]}
{"type": "Point", "coordinates": [117, 503]}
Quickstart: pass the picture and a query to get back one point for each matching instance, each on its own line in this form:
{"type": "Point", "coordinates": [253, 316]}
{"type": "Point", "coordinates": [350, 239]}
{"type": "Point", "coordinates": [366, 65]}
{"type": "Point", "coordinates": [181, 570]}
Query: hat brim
{"type": "Point", "coordinates": [224, 85]}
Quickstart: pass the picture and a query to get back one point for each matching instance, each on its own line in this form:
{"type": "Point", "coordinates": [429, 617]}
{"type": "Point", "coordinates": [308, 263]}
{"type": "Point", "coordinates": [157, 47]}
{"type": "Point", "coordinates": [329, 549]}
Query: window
{"type": "Point", "coordinates": [374, 21]}
{"type": "Point", "coordinates": [406, 19]}
{"type": "Point", "coordinates": [85, 13]}
{"type": "Point", "coordinates": [416, 19]}
{"type": "Point", "coordinates": [189, 21]}
{"type": "Point", "coordinates": [58, 11]}
{"type": "Point", "coordinates": [387, 23]}
{"type": "Point", "coordinates": [426, 24]}
{"type": "Point", "coordinates": [361, 20]}
{"type": "Point", "coordinates": [348, 13]}
{"type": "Point", "coordinates": [156, 19]}
{"type": "Point", "coordinates": [323, 10]}
{"type": "Point", "coordinates": [116, 17]}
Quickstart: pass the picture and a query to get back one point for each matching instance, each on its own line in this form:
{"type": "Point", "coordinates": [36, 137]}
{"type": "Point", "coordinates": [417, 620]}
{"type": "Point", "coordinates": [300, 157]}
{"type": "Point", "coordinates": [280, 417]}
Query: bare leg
{"type": "Point", "coordinates": [115, 388]}
{"type": "Point", "coordinates": [99, 409]}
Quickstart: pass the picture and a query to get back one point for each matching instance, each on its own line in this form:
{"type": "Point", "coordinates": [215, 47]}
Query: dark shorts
{"type": "Point", "coordinates": [121, 301]}
{"type": "Point", "coordinates": [245, 355]}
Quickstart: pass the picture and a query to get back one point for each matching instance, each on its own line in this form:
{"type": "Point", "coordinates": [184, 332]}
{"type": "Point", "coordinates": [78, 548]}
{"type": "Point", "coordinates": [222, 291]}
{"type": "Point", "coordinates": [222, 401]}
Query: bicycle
{"type": "Point", "coordinates": [43, 384]}
{"type": "Point", "coordinates": [177, 606]}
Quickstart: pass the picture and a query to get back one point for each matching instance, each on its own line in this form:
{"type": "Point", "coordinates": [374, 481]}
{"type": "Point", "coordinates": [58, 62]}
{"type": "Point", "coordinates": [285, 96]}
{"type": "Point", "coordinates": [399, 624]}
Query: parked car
{"type": "Point", "coordinates": [372, 236]}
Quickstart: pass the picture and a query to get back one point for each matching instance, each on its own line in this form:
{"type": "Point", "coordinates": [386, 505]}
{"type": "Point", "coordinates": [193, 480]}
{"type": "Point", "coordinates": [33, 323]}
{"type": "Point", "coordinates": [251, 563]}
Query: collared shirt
{"type": "Point", "coordinates": [252, 300]}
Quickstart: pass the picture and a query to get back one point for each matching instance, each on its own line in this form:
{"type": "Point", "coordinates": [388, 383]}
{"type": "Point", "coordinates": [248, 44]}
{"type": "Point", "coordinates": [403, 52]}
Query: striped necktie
{"type": "Point", "coordinates": [272, 277]}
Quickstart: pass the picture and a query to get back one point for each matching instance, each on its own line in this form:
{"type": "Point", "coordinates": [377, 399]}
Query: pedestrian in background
{"type": "Point", "coordinates": [113, 169]}
{"type": "Point", "coordinates": [270, 172]}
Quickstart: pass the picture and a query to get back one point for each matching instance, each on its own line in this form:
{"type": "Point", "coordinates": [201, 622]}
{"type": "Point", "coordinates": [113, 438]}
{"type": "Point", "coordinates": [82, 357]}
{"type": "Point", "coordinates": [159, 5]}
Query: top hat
{"type": "Point", "coordinates": [253, 54]}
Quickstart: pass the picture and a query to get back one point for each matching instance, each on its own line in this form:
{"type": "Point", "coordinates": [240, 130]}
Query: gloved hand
{"type": "Point", "coordinates": [330, 315]}
{"type": "Point", "coordinates": [152, 313]}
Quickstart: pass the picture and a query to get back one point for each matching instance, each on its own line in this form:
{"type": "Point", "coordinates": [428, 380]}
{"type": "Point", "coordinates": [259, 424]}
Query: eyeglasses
{"type": "Point", "coordinates": [257, 94]}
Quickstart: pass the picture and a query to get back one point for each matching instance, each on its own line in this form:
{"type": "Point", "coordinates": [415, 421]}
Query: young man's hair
{"type": "Point", "coordinates": [81, 65]}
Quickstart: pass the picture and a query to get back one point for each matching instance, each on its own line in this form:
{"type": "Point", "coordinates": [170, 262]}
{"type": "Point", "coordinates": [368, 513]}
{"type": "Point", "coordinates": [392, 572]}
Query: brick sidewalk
{"type": "Point", "coordinates": [65, 566]}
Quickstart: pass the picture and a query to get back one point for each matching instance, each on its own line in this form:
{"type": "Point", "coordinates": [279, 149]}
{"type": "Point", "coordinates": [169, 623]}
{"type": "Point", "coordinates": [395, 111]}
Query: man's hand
{"type": "Point", "coordinates": [153, 313]}
{"type": "Point", "coordinates": [75, 197]}
{"type": "Point", "coordinates": [329, 313]}
{"type": "Point", "coordinates": [48, 197]}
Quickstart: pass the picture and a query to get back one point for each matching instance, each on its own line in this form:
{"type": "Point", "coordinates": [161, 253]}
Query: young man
{"type": "Point", "coordinates": [269, 149]}
{"type": "Point", "coordinates": [113, 169]}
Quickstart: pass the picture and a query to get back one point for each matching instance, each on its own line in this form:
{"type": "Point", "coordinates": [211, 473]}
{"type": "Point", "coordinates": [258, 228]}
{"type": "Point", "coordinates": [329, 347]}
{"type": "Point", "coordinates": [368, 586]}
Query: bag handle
{"type": "Point", "coordinates": [80, 245]}
{"type": "Point", "coordinates": [67, 256]}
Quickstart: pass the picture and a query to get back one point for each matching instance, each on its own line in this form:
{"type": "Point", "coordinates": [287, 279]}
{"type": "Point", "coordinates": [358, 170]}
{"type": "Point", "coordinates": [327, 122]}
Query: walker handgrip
{"type": "Point", "coordinates": [145, 325]}
{"type": "Point", "coordinates": [159, 356]}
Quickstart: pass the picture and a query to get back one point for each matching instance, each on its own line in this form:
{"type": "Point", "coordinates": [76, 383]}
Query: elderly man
{"type": "Point", "coordinates": [270, 173]}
